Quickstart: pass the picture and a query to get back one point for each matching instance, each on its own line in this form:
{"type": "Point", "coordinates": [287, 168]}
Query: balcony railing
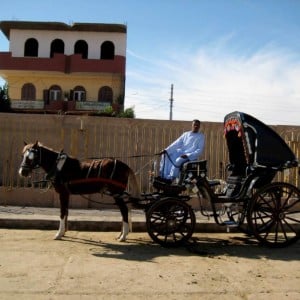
{"type": "Point", "coordinates": [27, 104]}
{"type": "Point", "coordinates": [60, 105]}
{"type": "Point", "coordinates": [91, 105]}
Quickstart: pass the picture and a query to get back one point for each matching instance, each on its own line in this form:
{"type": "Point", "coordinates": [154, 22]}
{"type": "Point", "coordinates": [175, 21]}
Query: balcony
{"type": "Point", "coordinates": [61, 63]}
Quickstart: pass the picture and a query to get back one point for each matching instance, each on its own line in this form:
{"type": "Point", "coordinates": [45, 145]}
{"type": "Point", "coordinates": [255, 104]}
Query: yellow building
{"type": "Point", "coordinates": [52, 66]}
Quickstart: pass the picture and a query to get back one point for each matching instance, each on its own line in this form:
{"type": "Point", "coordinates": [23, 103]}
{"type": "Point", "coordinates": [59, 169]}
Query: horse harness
{"type": "Point", "coordinates": [55, 174]}
{"type": "Point", "coordinates": [100, 169]}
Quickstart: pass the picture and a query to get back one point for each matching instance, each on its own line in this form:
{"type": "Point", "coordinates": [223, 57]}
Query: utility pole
{"type": "Point", "coordinates": [171, 103]}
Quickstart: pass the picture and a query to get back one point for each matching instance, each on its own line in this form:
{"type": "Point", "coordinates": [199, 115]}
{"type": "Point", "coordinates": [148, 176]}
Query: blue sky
{"type": "Point", "coordinates": [220, 56]}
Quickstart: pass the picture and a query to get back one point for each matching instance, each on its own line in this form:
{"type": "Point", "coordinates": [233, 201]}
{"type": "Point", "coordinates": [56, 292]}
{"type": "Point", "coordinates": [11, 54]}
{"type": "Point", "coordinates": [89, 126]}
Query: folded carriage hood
{"type": "Point", "coordinates": [267, 148]}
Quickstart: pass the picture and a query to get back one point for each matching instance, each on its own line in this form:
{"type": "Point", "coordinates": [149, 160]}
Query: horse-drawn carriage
{"type": "Point", "coordinates": [256, 154]}
{"type": "Point", "coordinates": [247, 199]}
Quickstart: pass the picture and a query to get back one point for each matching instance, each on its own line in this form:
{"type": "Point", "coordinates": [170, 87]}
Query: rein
{"type": "Point", "coordinates": [130, 156]}
{"type": "Point", "coordinates": [100, 179]}
{"type": "Point", "coordinates": [172, 162]}
{"type": "Point", "coordinates": [102, 203]}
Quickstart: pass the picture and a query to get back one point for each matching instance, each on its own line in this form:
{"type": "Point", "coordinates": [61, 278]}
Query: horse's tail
{"type": "Point", "coordinates": [133, 185]}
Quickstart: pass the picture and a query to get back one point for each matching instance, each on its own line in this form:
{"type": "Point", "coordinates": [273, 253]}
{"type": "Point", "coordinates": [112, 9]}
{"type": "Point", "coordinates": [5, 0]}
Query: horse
{"type": "Point", "coordinates": [69, 176]}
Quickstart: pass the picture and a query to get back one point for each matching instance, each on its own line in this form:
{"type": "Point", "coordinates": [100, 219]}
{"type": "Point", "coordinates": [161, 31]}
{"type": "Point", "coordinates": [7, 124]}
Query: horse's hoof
{"type": "Point", "coordinates": [121, 238]}
{"type": "Point", "coordinates": [58, 237]}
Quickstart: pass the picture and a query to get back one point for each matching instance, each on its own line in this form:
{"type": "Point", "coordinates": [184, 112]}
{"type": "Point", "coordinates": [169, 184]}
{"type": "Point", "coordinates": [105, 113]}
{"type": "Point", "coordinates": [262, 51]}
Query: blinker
{"type": "Point", "coordinates": [30, 155]}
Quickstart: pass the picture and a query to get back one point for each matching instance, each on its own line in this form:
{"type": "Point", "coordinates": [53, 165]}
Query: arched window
{"type": "Point", "coordinates": [57, 46]}
{"type": "Point", "coordinates": [105, 94]}
{"type": "Point", "coordinates": [81, 47]}
{"type": "Point", "coordinates": [31, 47]}
{"type": "Point", "coordinates": [78, 93]}
{"type": "Point", "coordinates": [55, 93]}
{"type": "Point", "coordinates": [107, 50]}
{"type": "Point", "coordinates": [28, 92]}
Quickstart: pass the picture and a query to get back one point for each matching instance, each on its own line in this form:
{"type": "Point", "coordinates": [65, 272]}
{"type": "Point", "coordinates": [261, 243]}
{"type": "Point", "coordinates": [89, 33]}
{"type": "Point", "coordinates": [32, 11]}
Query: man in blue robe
{"type": "Point", "coordinates": [188, 147]}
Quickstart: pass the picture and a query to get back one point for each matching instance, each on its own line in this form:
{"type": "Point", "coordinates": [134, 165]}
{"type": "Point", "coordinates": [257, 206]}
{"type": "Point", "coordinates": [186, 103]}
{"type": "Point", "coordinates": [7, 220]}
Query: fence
{"type": "Point", "coordinates": [91, 137]}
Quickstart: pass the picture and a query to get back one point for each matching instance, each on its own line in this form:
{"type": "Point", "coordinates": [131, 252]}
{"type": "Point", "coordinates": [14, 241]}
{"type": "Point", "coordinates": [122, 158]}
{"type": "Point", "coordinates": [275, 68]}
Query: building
{"type": "Point", "coordinates": [53, 66]}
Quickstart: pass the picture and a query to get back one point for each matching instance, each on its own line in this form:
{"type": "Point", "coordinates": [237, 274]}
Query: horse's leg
{"type": "Point", "coordinates": [63, 223]}
{"type": "Point", "coordinates": [124, 212]}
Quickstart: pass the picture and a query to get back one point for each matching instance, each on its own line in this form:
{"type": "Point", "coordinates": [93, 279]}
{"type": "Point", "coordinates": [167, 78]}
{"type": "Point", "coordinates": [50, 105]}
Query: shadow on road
{"type": "Point", "coordinates": [214, 246]}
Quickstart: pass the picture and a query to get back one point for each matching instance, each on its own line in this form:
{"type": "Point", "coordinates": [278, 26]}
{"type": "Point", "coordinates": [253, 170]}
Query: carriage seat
{"type": "Point", "coordinates": [166, 187]}
{"type": "Point", "coordinates": [193, 169]}
{"type": "Point", "coordinates": [236, 180]}
{"type": "Point", "coordinates": [190, 169]}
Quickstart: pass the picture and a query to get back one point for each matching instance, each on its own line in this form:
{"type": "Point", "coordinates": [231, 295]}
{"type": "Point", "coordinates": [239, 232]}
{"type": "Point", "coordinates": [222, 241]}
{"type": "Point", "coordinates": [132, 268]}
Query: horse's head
{"type": "Point", "coordinates": [30, 158]}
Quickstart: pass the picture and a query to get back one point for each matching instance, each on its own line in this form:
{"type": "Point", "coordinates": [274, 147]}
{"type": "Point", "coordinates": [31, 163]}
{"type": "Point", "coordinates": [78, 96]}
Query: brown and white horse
{"type": "Point", "coordinates": [70, 176]}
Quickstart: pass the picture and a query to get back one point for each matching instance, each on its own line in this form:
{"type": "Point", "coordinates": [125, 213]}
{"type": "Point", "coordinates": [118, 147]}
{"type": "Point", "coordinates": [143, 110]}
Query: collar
{"type": "Point", "coordinates": [60, 161]}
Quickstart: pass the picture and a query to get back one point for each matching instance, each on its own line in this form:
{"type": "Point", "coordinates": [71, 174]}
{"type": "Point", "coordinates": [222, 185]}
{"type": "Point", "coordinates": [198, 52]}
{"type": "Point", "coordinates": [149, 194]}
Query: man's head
{"type": "Point", "coordinates": [195, 125]}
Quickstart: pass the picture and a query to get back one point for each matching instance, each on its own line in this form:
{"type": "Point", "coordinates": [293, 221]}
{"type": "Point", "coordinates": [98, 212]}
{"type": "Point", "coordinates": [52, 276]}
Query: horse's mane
{"type": "Point", "coordinates": [41, 145]}
{"type": "Point", "coordinates": [57, 152]}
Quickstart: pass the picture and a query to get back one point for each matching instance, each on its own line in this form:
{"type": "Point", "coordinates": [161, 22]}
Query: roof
{"type": "Point", "coordinates": [6, 26]}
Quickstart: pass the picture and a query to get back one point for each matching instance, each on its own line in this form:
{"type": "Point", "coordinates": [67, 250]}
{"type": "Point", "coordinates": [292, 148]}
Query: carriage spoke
{"type": "Point", "coordinates": [288, 198]}
{"type": "Point", "coordinates": [289, 225]}
{"type": "Point", "coordinates": [292, 219]}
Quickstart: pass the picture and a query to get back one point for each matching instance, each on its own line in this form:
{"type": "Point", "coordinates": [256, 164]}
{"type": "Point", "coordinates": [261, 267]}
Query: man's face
{"type": "Point", "coordinates": [195, 126]}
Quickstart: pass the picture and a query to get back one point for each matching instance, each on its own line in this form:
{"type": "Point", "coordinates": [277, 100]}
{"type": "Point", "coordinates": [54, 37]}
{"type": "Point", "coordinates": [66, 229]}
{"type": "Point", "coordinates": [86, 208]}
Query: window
{"type": "Point", "coordinates": [107, 50]}
{"type": "Point", "coordinates": [55, 93]}
{"type": "Point", "coordinates": [57, 46]}
{"type": "Point", "coordinates": [31, 47]}
{"type": "Point", "coordinates": [79, 94]}
{"type": "Point", "coordinates": [105, 94]}
{"type": "Point", "coordinates": [28, 92]}
{"type": "Point", "coordinates": [81, 47]}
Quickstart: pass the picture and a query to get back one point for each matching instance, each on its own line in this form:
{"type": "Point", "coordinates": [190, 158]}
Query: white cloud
{"type": "Point", "coordinates": [209, 84]}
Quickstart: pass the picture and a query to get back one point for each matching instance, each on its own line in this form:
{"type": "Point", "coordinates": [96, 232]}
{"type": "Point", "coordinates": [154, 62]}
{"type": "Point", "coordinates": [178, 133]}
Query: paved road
{"type": "Point", "coordinates": [93, 265]}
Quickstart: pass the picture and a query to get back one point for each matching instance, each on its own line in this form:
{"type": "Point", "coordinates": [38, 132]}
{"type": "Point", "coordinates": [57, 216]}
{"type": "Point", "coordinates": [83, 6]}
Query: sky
{"type": "Point", "coordinates": [219, 55]}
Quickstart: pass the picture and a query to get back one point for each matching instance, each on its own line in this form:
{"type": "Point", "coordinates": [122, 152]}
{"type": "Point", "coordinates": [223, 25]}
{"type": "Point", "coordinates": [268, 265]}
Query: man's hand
{"type": "Point", "coordinates": [162, 152]}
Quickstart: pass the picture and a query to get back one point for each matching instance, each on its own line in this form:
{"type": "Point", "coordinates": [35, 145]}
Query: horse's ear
{"type": "Point", "coordinates": [36, 143]}
{"type": "Point", "coordinates": [25, 144]}
{"type": "Point", "coordinates": [62, 150]}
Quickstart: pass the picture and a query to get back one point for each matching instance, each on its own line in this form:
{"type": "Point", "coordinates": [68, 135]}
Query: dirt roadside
{"type": "Point", "coordinates": [93, 265]}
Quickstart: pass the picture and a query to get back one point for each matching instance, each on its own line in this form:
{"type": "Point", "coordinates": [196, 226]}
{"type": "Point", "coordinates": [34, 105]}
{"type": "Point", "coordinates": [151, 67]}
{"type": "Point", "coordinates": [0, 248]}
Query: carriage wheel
{"type": "Point", "coordinates": [274, 214]}
{"type": "Point", "coordinates": [170, 222]}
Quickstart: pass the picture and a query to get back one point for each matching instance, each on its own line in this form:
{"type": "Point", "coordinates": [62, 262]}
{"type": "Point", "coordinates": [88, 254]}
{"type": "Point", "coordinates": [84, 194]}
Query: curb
{"type": "Point", "coordinates": [41, 218]}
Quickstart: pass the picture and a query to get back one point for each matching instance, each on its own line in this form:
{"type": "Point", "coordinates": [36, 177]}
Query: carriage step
{"type": "Point", "coordinates": [230, 224]}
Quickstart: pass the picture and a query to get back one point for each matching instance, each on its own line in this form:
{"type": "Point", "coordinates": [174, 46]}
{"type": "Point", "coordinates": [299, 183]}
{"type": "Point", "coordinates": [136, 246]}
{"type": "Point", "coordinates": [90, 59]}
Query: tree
{"type": "Point", "coordinates": [4, 99]}
{"type": "Point", "coordinates": [127, 113]}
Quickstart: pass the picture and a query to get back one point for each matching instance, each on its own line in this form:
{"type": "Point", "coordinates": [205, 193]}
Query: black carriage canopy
{"type": "Point", "coordinates": [251, 142]}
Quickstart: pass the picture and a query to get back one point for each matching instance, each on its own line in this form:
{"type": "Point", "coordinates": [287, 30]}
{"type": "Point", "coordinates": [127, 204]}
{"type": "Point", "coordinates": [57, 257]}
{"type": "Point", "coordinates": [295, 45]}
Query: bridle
{"type": "Point", "coordinates": [31, 159]}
